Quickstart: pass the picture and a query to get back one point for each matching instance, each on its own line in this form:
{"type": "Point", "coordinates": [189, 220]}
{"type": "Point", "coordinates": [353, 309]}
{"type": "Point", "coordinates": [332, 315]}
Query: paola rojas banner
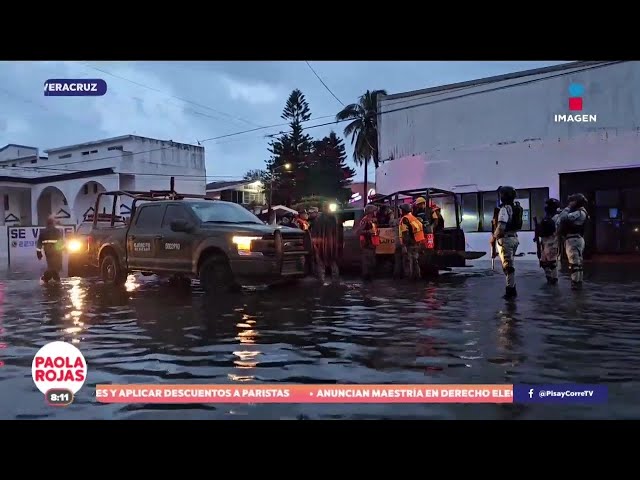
{"type": "Point", "coordinates": [22, 244]}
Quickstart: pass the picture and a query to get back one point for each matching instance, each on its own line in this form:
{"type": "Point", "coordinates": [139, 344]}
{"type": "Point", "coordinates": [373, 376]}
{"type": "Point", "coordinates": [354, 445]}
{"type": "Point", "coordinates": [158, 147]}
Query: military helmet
{"type": "Point", "coordinates": [507, 194]}
{"type": "Point", "coordinates": [579, 198]}
{"type": "Point", "coordinates": [405, 208]}
{"type": "Point", "coordinates": [551, 206]}
{"type": "Point", "coordinates": [370, 209]}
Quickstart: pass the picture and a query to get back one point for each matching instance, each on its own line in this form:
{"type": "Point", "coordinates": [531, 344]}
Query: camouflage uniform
{"type": "Point", "coordinates": [572, 221]}
{"type": "Point", "coordinates": [506, 238]}
{"type": "Point", "coordinates": [550, 249]}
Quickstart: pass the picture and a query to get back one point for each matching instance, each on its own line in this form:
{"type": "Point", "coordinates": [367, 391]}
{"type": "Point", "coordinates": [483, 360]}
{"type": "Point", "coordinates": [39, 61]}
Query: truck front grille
{"type": "Point", "coordinates": [293, 265]}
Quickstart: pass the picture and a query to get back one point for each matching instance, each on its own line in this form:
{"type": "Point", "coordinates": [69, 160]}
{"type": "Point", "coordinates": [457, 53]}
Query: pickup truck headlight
{"type": "Point", "coordinates": [243, 244]}
{"type": "Point", "coordinates": [74, 246]}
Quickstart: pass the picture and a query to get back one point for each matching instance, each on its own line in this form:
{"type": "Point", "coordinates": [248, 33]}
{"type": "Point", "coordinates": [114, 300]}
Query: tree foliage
{"type": "Point", "coordinates": [292, 148]}
{"type": "Point", "coordinates": [330, 176]}
{"type": "Point", "coordinates": [363, 130]}
{"type": "Point", "coordinates": [255, 175]}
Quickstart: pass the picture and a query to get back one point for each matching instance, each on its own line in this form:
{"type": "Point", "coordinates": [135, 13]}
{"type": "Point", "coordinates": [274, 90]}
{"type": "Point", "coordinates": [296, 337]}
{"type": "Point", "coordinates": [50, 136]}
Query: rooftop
{"type": "Point", "coordinates": [217, 186]}
{"type": "Point", "coordinates": [497, 78]}
{"type": "Point", "coordinates": [115, 139]}
{"type": "Point", "coordinates": [17, 146]}
{"type": "Point", "coordinates": [58, 177]}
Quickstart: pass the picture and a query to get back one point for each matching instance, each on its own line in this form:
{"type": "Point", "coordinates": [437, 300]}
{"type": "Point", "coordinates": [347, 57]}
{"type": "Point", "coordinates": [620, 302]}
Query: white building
{"type": "Point", "coordinates": [67, 182]}
{"type": "Point", "coordinates": [472, 137]}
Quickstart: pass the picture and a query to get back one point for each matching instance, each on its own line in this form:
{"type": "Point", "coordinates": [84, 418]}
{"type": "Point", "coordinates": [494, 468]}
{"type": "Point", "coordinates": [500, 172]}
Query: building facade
{"type": "Point", "coordinates": [248, 193]}
{"type": "Point", "coordinates": [548, 132]}
{"type": "Point", "coordinates": [67, 181]}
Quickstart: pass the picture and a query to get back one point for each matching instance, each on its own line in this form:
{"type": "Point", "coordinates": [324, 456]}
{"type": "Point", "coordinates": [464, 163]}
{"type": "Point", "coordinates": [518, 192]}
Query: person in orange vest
{"type": "Point", "coordinates": [302, 220]}
{"type": "Point", "coordinates": [369, 235]}
{"type": "Point", "coordinates": [412, 236]}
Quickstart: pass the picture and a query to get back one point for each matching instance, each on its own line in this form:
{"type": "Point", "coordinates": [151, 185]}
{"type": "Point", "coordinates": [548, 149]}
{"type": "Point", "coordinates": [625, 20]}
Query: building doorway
{"type": "Point", "coordinates": [614, 208]}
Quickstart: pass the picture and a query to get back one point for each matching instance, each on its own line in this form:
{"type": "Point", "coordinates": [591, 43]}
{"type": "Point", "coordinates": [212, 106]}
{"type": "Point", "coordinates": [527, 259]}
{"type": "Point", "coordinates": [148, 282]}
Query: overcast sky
{"type": "Point", "coordinates": [195, 101]}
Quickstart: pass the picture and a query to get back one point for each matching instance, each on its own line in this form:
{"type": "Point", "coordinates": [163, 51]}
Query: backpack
{"type": "Point", "coordinates": [516, 220]}
{"type": "Point", "coordinates": [547, 227]}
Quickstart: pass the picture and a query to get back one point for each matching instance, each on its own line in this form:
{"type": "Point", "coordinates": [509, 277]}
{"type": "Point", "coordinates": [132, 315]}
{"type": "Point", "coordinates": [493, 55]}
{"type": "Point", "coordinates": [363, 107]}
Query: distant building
{"type": "Point", "coordinates": [67, 181]}
{"type": "Point", "coordinates": [244, 192]}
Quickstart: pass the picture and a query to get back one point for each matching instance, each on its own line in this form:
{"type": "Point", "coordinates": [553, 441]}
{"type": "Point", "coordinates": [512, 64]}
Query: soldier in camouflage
{"type": "Point", "coordinates": [571, 226]}
{"type": "Point", "coordinates": [549, 240]}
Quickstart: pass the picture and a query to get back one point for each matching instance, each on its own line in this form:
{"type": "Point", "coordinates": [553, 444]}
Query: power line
{"type": "Point", "coordinates": [170, 95]}
{"type": "Point", "coordinates": [263, 128]}
{"type": "Point", "coordinates": [322, 82]}
{"type": "Point", "coordinates": [503, 87]}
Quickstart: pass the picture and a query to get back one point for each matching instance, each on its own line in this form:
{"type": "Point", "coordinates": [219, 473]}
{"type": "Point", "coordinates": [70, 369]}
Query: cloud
{"type": "Point", "coordinates": [256, 93]}
{"type": "Point", "coordinates": [224, 98]}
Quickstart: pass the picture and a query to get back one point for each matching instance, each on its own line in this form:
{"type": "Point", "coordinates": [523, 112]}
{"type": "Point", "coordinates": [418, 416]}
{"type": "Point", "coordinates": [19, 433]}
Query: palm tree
{"type": "Point", "coordinates": [363, 130]}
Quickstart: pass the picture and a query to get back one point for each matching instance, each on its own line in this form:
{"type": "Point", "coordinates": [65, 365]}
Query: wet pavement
{"type": "Point", "coordinates": [455, 330]}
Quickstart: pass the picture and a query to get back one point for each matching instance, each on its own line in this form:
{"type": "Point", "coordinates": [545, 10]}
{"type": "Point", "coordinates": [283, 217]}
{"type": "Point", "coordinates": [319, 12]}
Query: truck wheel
{"type": "Point", "coordinates": [216, 275]}
{"type": "Point", "coordinates": [111, 271]}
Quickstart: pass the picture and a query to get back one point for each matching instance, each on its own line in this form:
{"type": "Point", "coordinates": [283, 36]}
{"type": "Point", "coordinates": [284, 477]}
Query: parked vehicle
{"type": "Point", "coordinates": [188, 236]}
{"type": "Point", "coordinates": [442, 251]}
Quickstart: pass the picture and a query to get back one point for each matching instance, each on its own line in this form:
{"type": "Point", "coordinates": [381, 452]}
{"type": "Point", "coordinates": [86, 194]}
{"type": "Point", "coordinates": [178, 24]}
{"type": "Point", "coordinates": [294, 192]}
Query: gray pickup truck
{"type": "Point", "coordinates": [220, 243]}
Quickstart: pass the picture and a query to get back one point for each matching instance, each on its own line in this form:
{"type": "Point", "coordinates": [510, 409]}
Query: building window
{"type": "Point", "coordinates": [85, 189]}
{"type": "Point", "coordinates": [538, 197]}
{"type": "Point", "coordinates": [86, 153]}
{"type": "Point", "coordinates": [64, 201]}
{"type": "Point", "coordinates": [531, 200]}
{"type": "Point", "coordinates": [6, 203]}
{"type": "Point", "coordinates": [66, 155]}
{"type": "Point", "coordinates": [469, 206]}
{"type": "Point", "coordinates": [93, 151]}
{"type": "Point", "coordinates": [95, 188]}
{"type": "Point", "coordinates": [118, 147]}
{"type": "Point", "coordinates": [489, 203]}
{"type": "Point", "coordinates": [35, 160]}
{"type": "Point", "coordinates": [237, 197]}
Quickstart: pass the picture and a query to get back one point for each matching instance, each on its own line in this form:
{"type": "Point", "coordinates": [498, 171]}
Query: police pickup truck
{"type": "Point", "coordinates": [220, 243]}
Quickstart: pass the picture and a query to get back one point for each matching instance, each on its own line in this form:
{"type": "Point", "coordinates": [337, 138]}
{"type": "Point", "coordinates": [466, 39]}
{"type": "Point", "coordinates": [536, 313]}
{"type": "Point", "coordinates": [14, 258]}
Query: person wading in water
{"type": "Point", "coordinates": [51, 241]}
{"type": "Point", "coordinates": [327, 237]}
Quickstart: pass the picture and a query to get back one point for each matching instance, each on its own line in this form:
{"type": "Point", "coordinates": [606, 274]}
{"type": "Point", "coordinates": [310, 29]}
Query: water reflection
{"type": "Point", "coordinates": [453, 330]}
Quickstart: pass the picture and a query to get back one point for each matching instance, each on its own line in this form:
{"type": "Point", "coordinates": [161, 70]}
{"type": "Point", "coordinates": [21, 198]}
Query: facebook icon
{"type": "Point", "coordinates": [567, 393]}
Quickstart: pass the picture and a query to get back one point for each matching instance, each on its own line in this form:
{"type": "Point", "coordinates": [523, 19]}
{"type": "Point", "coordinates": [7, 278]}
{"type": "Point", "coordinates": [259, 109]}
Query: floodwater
{"type": "Point", "coordinates": [455, 330]}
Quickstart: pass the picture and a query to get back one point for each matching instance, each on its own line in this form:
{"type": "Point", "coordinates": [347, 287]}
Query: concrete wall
{"type": "Point", "coordinates": [17, 151]}
{"type": "Point", "coordinates": [151, 162]}
{"type": "Point", "coordinates": [508, 111]}
{"type": "Point", "coordinates": [509, 137]}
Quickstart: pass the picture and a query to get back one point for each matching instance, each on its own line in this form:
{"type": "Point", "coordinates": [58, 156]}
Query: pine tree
{"type": "Point", "coordinates": [293, 148]}
{"type": "Point", "coordinates": [328, 170]}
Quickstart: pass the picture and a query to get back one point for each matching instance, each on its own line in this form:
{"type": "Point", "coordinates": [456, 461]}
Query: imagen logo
{"type": "Point", "coordinates": [59, 370]}
{"type": "Point", "coordinates": [83, 87]}
{"type": "Point", "coordinates": [576, 95]}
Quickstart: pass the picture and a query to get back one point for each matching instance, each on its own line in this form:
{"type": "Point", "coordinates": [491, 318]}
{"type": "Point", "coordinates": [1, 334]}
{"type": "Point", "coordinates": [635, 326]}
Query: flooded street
{"type": "Point", "coordinates": [455, 330]}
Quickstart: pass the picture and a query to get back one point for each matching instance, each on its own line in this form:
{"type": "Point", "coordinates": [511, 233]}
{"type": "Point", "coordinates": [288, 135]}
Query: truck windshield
{"type": "Point", "coordinates": [218, 212]}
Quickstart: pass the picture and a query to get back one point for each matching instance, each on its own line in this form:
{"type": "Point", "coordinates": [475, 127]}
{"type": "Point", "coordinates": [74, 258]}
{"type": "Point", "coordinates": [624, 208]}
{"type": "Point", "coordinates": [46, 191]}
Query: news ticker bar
{"type": "Point", "coordinates": [237, 394]}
